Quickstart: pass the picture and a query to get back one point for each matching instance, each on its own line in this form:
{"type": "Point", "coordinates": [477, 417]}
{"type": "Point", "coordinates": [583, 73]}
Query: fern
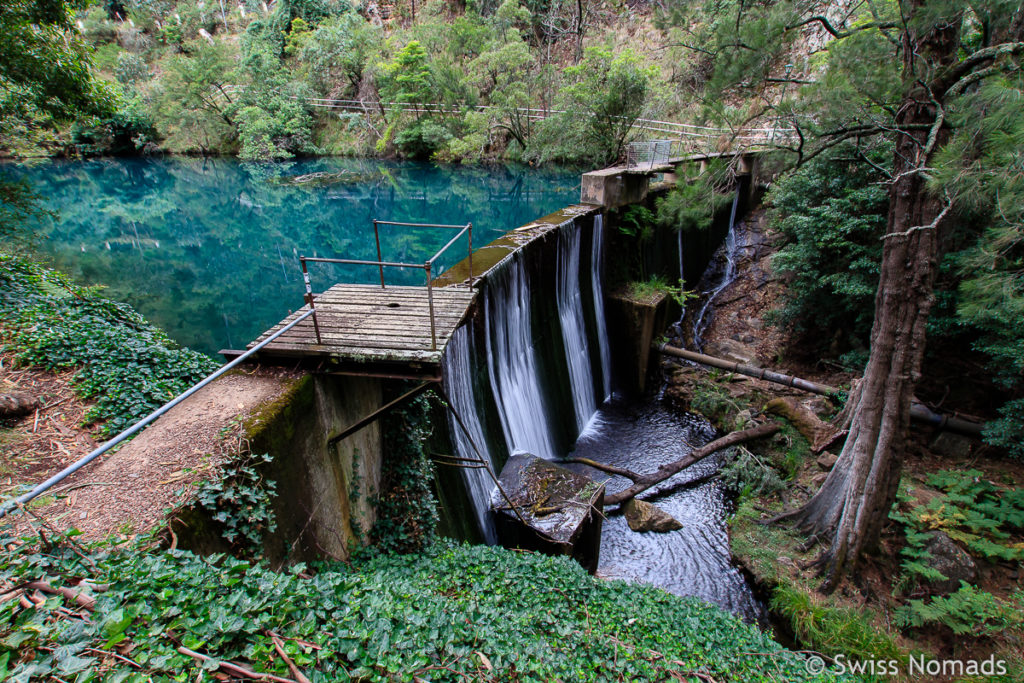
{"type": "Point", "coordinates": [966, 612]}
{"type": "Point", "coordinates": [971, 510]}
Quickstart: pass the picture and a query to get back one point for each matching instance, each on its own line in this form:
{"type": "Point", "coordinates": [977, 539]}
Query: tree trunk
{"type": "Point", "coordinates": [853, 504]}
{"type": "Point", "coordinates": [16, 404]}
{"type": "Point", "coordinates": [642, 482]}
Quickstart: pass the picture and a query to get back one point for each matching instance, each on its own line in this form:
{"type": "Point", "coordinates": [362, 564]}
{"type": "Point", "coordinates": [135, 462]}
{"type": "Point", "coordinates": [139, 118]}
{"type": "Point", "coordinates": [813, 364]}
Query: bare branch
{"type": "Point", "coordinates": [931, 226]}
{"type": "Point", "coordinates": [946, 80]}
{"type": "Point", "coordinates": [827, 25]}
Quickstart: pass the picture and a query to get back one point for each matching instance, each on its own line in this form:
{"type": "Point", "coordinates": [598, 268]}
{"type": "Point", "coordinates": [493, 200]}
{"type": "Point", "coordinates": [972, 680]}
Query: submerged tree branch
{"type": "Point", "coordinates": [642, 482]}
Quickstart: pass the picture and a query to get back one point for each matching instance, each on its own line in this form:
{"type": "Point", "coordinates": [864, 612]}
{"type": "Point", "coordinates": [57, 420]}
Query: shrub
{"type": "Point", "coordinates": [832, 212]}
{"type": "Point", "coordinates": [970, 510]}
{"type": "Point", "coordinates": [454, 613]}
{"type": "Point", "coordinates": [968, 611]}
{"type": "Point", "coordinates": [422, 139]}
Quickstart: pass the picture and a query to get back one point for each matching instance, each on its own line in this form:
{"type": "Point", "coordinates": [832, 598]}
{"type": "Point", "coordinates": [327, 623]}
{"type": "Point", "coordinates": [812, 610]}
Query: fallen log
{"type": "Point", "coordinates": [642, 482]}
{"type": "Point", "coordinates": [817, 432]}
{"type": "Point", "coordinates": [86, 602]}
{"type": "Point", "coordinates": [237, 669]}
{"type": "Point", "coordinates": [16, 404]}
{"type": "Point", "coordinates": [279, 647]}
{"type": "Point", "coordinates": [918, 410]}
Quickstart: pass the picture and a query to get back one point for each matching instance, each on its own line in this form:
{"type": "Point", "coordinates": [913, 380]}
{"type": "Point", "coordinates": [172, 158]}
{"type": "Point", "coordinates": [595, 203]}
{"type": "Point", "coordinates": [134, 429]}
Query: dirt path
{"type": "Point", "coordinates": [128, 492]}
{"type": "Point", "coordinates": [47, 440]}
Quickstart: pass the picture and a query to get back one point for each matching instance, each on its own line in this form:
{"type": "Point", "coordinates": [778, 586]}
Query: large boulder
{"type": "Point", "coordinates": [951, 561]}
{"type": "Point", "coordinates": [953, 445]}
{"type": "Point", "coordinates": [642, 516]}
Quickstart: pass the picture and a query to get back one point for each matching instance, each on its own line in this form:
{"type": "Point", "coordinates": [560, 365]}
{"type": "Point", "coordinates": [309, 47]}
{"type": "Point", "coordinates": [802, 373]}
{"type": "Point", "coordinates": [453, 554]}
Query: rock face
{"type": "Point", "coordinates": [559, 511]}
{"type": "Point", "coordinates": [737, 352]}
{"type": "Point", "coordinates": [951, 561]}
{"type": "Point", "coordinates": [642, 516]}
{"type": "Point", "coordinates": [827, 461]}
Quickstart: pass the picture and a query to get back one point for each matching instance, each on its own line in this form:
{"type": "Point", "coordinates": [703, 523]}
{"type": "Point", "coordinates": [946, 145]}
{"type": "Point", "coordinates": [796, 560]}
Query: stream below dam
{"type": "Point", "coordinates": [642, 435]}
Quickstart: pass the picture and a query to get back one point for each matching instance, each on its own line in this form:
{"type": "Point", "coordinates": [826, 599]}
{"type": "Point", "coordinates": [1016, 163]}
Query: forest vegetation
{"type": "Point", "coordinates": [899, 198]}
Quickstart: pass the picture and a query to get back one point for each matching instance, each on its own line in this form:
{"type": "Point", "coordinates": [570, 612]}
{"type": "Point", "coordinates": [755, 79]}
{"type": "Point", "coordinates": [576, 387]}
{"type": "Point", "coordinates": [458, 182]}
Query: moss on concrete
{"type": "Point", "coordinates": [272, 426]}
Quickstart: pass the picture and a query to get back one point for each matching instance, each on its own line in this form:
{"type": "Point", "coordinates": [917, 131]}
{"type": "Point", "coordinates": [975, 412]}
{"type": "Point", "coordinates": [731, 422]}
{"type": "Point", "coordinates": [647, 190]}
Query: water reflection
{"type": "Point", "coordinates": [208, 248]}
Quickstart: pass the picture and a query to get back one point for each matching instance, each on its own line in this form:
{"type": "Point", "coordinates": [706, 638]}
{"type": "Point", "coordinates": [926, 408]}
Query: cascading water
{"type": "Point", "coordinates": [512, 362]}
{"type": "Point", "coordinates": [694, 560]}
{"type": "Point", "coordinates": [596, 282]}
{"type": "Point", "coordinates": [691, 561]}
{"type": "Point", "coordinates": [470, 443]}
{"type": "Point", "coordinates": [728, 274]}
{"type": "Point", "coordinates": [574, 331]}
{"type": "Point", "coordinates": [512, 368]}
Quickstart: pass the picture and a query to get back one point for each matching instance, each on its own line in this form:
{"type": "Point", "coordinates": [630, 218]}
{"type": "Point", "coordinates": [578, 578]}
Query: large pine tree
{"type": "Point", "coordinates": [909, 70]}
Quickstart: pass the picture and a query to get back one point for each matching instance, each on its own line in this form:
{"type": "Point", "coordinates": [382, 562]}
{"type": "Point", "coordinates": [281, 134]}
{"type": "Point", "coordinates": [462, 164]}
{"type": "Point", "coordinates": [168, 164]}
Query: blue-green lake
{"type": "Point", "coordinates": [208, 248]}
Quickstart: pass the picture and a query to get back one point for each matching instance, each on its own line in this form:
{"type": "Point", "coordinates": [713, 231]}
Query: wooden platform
{"type": "Point", "coordinates": [365, 325]}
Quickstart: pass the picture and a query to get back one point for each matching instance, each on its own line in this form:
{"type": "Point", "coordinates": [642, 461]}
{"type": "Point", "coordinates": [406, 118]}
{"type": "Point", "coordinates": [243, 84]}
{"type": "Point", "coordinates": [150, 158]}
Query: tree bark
{"type": "Point", "coordinates": [16, 404]}
{"type": "Point", "coordinates": [852, 505]}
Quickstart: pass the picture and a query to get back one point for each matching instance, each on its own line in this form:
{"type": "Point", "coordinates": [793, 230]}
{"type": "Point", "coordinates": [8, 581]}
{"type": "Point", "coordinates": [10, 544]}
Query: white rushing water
{"type": "Point", "coordinates": [512, 362]}
{"type": "Point", "coordinates": [596, 281]}
{"type": "Point", "coordinates": [693, 561]}
{"type": "Point", "coordinates": [700, 322]}
{"type": "Point", "coordinates": [512, 369]}
{"type": "Point", "coordinates": [470, 443]}
{"type": "Point", "coordinates": [574, 329]}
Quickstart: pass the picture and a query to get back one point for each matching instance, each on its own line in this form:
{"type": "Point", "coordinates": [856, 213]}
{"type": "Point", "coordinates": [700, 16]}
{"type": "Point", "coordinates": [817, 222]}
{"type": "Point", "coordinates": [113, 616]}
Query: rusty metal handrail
{"type": "Point", "coordinates": [382, 264]}
{"type": "Point", "coordinates": [468, 227]}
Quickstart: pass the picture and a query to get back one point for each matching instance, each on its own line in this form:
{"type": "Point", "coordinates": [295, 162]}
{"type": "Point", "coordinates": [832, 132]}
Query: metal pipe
{"type": "Point", "coordinates": [309, 298]}
{"type": "Point", "coordinates": [470, 226]}
{"type": "Point", "coordinates": [750, 371]}
{"type": "Point", "coordinates": [391, 264]}
{"type": "Point", "coordinates": [376, 238]}
{"type": "Point", "coordinates": [74, 467]}
{"type": "Point", "coordinates": [355, 427]}
{"type": "Point", "coordinates": [450, 243]}
{"type": "Point", "coordinates": [422, 225]}
{"type": "Point", "coordinates": [918, 410]}
{"type": "Point", "coordinates": [430, 304]}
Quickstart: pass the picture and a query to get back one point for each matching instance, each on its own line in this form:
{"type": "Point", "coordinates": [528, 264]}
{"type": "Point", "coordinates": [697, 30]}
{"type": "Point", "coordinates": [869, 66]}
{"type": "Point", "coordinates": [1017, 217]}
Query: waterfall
{"type": "Point", "coordinates": [596, 279]}
{"type": "Point", "coordinates": [508, 357]}
{"type": "Point", "coordinates": [700, 322]}
{"type": "Point", "coordinates": [460, 358]}
{"type": "Point", "coordinates": [512, 362]}
{"type": "Point", "coordinates": [574, 330]}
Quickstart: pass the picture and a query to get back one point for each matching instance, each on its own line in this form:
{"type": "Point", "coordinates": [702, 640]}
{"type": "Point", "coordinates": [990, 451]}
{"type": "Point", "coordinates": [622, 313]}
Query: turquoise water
{"type": "Point", "coordinates": [208, 248]}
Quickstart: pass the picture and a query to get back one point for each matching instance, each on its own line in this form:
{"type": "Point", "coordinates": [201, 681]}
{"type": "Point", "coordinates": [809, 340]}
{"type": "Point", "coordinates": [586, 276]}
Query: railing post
{"type": "Point", "coordinates": [376, 238]}
{"type": "Point", "coordinates": [309, 297]}
{"type": "Point", "coordinates": [430, 305]}
{"type": "Point", "coordinates": [470, 225]}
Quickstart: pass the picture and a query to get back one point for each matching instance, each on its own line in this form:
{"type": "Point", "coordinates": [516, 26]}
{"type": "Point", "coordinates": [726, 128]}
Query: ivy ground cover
{"type": "Point", "coordinates": [452, 613]}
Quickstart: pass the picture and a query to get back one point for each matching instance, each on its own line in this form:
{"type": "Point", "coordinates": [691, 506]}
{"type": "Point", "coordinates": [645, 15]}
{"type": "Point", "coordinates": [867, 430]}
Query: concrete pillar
{"type": "Point", "coordinates": [613, 187]}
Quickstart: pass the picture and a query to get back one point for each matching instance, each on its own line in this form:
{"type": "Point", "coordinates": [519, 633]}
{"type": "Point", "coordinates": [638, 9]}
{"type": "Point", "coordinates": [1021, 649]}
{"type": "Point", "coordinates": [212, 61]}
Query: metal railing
{"type": "Point", "coordinates": [381, 264]}
{"type": "Point", "coordinates": [691, 137]}
{"type": "Point", "coordinates": [648, 153]}
{"type": "Point", "coordinates": [12, 504]}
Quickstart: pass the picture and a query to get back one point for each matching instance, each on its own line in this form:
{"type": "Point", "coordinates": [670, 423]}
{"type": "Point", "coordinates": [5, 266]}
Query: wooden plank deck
{"type": "Point", "coordinates": [368, 324]}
